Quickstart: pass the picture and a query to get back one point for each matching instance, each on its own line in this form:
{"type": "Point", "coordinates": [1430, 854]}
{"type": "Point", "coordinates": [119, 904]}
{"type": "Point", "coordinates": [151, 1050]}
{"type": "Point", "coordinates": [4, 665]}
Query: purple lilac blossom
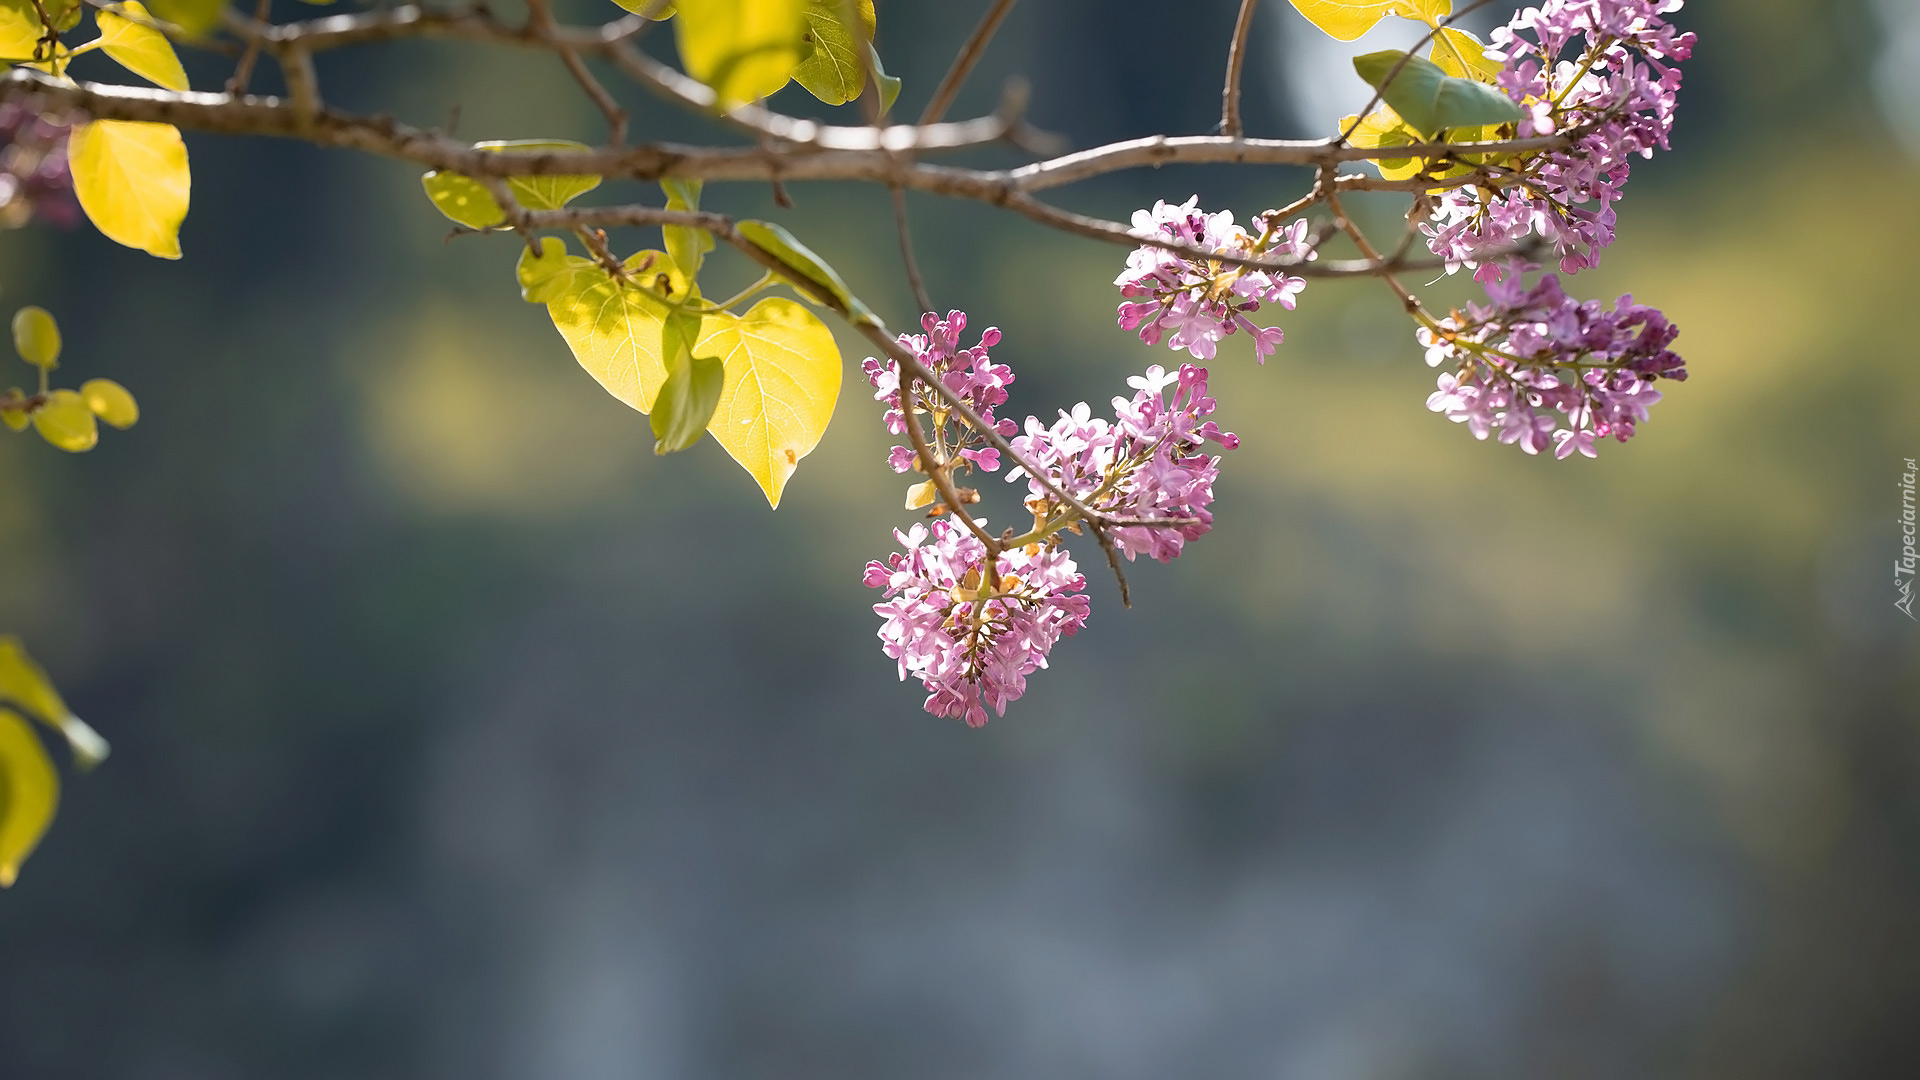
{"type": "Point", "coordinates": [970, 639]}
{"type": "Point", "coordinates": [1618, 88]}
{"type": "Point", "coordinates": [1147, 464]}
{"type": "Point", "coordinates": [969, 373]}
{"type": "Point", "coordinates": [1534, 352]}
{"type": "Point", "coordinates": [1193, 303]}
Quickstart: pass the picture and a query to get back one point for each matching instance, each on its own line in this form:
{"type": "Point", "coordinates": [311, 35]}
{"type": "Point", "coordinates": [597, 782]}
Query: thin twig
{"type": "Point", "coordinates": [963, 61]}
{"type": "Point", "coordinates": [1236, 58]}
{"type": "Point", "coordinates": [1347, 225]}
{"type": "Point", "coordinates": [906, 250]}
{"type": "Point", "coordinates": [616, 116]}
{"type": "Point", "coordinates": [937, 470]}
{"type": "Point", "coordinates": [243, 71]}
{"type": "Point", "coordinates": [1113, 560]}
{"type": "Point", "coordinates": [540, 22]}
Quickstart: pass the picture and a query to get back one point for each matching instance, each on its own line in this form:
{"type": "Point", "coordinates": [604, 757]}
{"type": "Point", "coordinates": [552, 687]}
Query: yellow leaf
{"type": "Point", "coordinates": [24, 683]}
{"type": "Point", "coordinates": [132, 180]}
{"type": "Point", "coordinates": [17, 419]}
{"type": "Point", "coordinates": [1383, 128]}
{"type": "Point", "coordinates": [21, 30]}
{"type": "Point", "coordinates": [652, 9]}
{"type": "Point", "coordinates": [783, 377]}
{"type": "Point", "coordinates": [139, 47]}
{"type": "Point", "coordinates": [922, 494]}
{"type": "Point", "coordinates": [833, 71]}
{"type": "Point", "coordinates": [744, 49]}
{"type": "Point", "coordinates": [463, 200]}
{"type": "Point", "coordinates": [36, 336]}
{"type": "Point", "coordinates": [550, 273]}
{"type": "Point", "coordinates": [29, 794]}
{"type": "Point", "coordinates": [1462, 56]}
{"type": "Point", "coordinates": [111, 402]}
{"type": "Point", "coordinates": [613, 327]}
{"type": "Point", "coordinates": [66, 422]}
{"type": "Point", "coordinates": [193, 16]}
{"type": "Point", "coordinates": [1346, 20]}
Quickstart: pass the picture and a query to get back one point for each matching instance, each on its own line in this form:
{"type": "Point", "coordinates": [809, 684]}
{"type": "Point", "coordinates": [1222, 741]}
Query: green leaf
{"type": "Point", "coordinates": [131, 39]}
{"type": "Point", "coordinates": [465, 202]}
{"type": "Point", "coordinates": [833, 70]}
{"type": "Point", "coordinates": [889, 84]}
{"type": "Point", "coordinates": [36, 336]}
{"type": "Point", "coordinates": [1428, 98]}
{"type": "Point", "coordinates": [782, 380]}
{"type": "Point", "coordinates": [685, 246]}
{"type": "Point", "coordinates": [744, 49]}
{"type": "Point", "coordinates": [688, 398]}
{"type": "Point", "coordinates": [804, 265]}
{"type": "Point", "coordinates": [29, 794]}
{"type": "Point", "coordinates": [23, 682]}
{"type": "Point", "coordinates": [1349, 19]}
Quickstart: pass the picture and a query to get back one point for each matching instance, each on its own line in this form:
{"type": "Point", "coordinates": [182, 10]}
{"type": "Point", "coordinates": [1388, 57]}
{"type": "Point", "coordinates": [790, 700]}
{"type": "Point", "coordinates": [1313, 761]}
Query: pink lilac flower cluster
{"type": "Point", "coordinates": [1536, 352]}
{"type": "Point", "coordinates": [972, 637]}
{"type": "Point", "coordinates": [1604, 67]}
{"type": "Point", "coordinates": [1147, 464]}
{"type": "Point", "coordinates": [969, 373]}
{"type": "Point", "coordinates": [1194, 302]}
{"type": "Point", "coordinates": [971, 625]}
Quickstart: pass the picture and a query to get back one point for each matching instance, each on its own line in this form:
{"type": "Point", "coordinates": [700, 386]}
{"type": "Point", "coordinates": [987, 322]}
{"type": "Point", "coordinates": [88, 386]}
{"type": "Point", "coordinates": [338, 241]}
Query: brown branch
{"type": "Point", "coordinates": [969, 55]}
{"type": "Point", "coordinates": [834, 153]}
{"type": "Point", "coordinates": [1236, 58]}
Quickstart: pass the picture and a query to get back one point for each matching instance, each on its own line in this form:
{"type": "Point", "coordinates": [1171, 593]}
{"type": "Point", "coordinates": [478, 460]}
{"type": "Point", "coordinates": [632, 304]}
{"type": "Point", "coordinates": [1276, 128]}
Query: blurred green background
{"type": "Point", "coordinates": [458, 736]}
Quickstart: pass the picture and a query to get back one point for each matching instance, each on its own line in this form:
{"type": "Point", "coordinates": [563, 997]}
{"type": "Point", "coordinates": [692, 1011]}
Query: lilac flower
{"type": "Point", "coordinates": [1535, 351]}
{"type": "Point", "coordinates": [1618, 90]}
{"type": "Point", "coordinates": [968, 373]}
{"type": "Point", "coordinates": [972, 637]}
{"type": "Point", "coordinates": [1147, 464]}
{"type": "Point", "coordinates": [972, 617]}
{"type": "Point", "coordinates": [1193, 303]}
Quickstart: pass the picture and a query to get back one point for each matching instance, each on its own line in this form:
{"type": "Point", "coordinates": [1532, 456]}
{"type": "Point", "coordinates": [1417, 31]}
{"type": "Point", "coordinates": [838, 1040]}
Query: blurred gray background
{"type": "Point", "coordinates": [457, 736]}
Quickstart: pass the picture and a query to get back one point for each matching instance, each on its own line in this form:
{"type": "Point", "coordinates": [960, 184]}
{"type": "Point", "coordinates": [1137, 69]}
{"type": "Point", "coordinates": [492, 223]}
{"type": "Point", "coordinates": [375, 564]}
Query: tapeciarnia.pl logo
{"type": "Point", "coordinates": [1903, 567]}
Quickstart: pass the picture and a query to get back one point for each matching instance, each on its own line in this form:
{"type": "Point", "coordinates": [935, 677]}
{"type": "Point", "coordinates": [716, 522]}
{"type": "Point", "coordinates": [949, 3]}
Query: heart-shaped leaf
{"type": "Point", "coordinates": [782, 380]}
